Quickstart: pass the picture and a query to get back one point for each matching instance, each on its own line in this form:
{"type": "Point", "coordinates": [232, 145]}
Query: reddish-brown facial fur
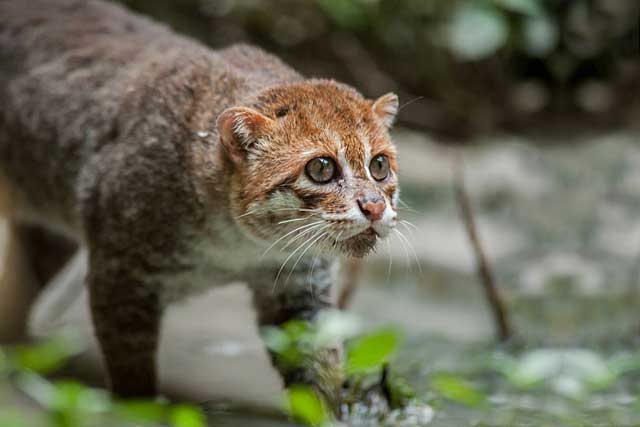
{"type": "Point", "coordinates": [270, 144]}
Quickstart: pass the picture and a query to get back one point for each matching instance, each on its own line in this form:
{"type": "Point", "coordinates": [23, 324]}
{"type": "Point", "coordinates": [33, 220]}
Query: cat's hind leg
{"type": "Point", "coordinates": [32, 256]}
{"type": "Point", "coordinates": [18, 284]}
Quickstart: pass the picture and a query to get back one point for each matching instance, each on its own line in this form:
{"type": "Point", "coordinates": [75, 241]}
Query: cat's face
{"type": "Point", "coordinates": [314, 168]}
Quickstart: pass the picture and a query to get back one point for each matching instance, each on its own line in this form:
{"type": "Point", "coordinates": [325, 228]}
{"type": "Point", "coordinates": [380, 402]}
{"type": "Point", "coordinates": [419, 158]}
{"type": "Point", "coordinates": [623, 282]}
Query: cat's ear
{"type": "Point", "coordinates": [240, 128]}
{"type": "Point", "coordinates": [386, 108]}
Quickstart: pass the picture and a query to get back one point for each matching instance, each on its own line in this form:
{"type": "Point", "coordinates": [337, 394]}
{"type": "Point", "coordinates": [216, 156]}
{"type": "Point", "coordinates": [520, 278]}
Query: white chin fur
{"type": "Point", "coordinates": [382, 230]}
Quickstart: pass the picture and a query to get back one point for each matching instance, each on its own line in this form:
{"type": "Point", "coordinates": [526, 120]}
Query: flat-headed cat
{"type": "Point", "coordinates": [180, 168]}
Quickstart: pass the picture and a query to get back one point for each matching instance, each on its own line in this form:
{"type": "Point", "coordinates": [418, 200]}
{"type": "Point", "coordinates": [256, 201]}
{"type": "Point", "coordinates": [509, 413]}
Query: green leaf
{"type": "Point", "coordinates": [525, 7]}
{"type": "Point", "coordinates": [141, 411]}
{"type": "Point", "coordinates": [72, 396]}
{"type": "Point", "coordinates": [45, 357]}
{"type": "Point", "coordinates": [275, 339]}
{"type": "Point", "coordinates": [306, 406]}
{"type": "Point", "coordinates": [476, 32]}
{"type": "Point", "coordinates": [287, 344]}
{"type": "Point", "coordinates": [371, 351]}
{"type": "Point", "coordinates": [297, 329]}
{"type": "Point", "coordinates": [187, 416]}
{"type": "Point", "coordinates": [457, 390]}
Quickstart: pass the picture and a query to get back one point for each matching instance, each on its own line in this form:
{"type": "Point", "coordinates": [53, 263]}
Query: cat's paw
{"type": "Point", "coordinates": [324, 372]}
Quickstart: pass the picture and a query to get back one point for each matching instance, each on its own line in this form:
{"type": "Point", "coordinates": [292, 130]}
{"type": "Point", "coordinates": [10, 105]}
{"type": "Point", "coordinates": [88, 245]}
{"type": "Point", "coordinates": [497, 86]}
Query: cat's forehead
{"type": "Point", "coordinates": [325, 118]}
{"type": "Point", "coordinates": [316, 102]}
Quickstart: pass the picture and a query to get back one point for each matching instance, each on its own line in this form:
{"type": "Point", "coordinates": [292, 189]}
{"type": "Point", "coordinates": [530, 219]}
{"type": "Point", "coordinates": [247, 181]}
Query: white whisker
{"type": "Point", "coordinates": [288, 234]}
{"type": "Point", "coordinates": [408, 223]}
{"type": "Point", "coordinates": [406, 207]}
{"type": "Point", "coordinates": [406, 227]}
{"type": "Point", "coordinates": [295, 264]}
{"type": "Point", "coordinates": [298, 210]}
{"type": "Point", "coordinates": [245, 214]}
{"type": "Point", "coordinates": [415, 255]}
{"type": "Point", "coordinates": [313, 266]}
{"type": "Point", "coordinates": [293, 220]}
{"type": "Point", "coordinates": [336, 241]}
{"type": "Point", "coordinates": [302, 233]}
{"type": "Point", "coordinates": [317, 232]}
{"type": "Point", "coordinates": [404, 247]}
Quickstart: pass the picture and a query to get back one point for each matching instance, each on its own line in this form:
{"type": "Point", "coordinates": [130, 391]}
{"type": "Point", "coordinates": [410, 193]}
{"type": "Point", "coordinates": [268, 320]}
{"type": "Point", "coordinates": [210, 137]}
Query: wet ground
{"type": "Point", "coordinates": [561, 228]}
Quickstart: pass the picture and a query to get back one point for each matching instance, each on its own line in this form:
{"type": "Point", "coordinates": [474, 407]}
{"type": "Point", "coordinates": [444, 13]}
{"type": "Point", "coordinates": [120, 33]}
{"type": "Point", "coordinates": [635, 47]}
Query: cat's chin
{"type": "Point", "coordinates": [361, 244]}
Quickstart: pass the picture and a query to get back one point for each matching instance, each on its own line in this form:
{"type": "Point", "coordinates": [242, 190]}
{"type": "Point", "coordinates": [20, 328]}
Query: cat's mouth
{"type": "Point", "coordinates": [361, 244]}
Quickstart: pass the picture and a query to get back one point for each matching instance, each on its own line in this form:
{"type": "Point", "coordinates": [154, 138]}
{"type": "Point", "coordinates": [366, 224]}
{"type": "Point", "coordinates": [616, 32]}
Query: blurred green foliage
{"type": "Point", "coordinates": [478, 65]}
{"type": "Point", "coordinates": [307, 406]}
{"type": "Point", "coordinates": [296, 342]}
{"type": "Point", "coordinates": [457, 389]}
{"type": "Point", "coordinates": [67, 403]}
{"type": "Point", "coordinates": [372, 351]}
{"type": "Point", "coordinates": [572, 373]}
{"type": "Point", "coordinates": [45, 357]}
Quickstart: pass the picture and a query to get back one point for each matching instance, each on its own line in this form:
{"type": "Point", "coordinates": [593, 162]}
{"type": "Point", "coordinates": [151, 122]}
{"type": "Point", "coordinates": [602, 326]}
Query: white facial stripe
{"type": "Point", "coordinates": [342, 159]}
{"type": "Point", "coordinates": [333, 137]}
{"type": "Point", "coordinates": [309, 153]}
{"type": "Point", "coordinates": [396, 196]}
{"type": "Point", "coordinates": [389, 215]}
{"type": "Point", "coordinates": [347, 173]}
{"type": "Point", "coordinates": [364, 139]}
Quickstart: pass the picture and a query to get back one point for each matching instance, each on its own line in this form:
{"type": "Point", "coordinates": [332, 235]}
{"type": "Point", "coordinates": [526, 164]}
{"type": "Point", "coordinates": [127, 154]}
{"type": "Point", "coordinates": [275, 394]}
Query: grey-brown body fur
{"type": "Point", "coordinates": [107, 134]}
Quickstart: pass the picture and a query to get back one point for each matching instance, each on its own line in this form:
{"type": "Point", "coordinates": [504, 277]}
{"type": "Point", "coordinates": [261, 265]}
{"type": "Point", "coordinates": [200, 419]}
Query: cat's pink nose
{"type": "Point", "coordinates": [372, 207]}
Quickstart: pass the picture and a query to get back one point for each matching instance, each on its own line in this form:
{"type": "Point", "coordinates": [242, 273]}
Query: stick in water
{"type": "Point", "coordinates": [484, 270]}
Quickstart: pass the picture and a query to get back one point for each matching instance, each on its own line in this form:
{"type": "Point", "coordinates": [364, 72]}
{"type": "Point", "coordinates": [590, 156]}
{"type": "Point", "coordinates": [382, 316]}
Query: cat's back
{"type": "Point", "coordinates": [69, 68]}
{"type": "Point", "coordinates": [79, 75]}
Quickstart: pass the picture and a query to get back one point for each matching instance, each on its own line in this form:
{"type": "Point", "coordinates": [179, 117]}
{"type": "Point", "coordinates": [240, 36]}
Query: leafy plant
{"type": "Point", "coordinates": [367, 355]}
{"type": "Point", "coordinates": [66, 403]}
{"type": "Point", "coordinates": [371, 352]}
{"type": "Point", "coordinates": [307, 406]}
{"type": "Point", "coordinates": [457, 389]}
{"type": "Point", "coordinates": [47, 356]}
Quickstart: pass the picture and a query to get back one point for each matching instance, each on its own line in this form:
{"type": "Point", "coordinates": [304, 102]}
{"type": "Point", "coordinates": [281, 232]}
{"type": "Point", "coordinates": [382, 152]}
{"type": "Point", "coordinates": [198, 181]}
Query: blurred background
{"type": "Point", "coordinates": [476, 66]}
{"type": "Point", "coordinates": [537, 100]}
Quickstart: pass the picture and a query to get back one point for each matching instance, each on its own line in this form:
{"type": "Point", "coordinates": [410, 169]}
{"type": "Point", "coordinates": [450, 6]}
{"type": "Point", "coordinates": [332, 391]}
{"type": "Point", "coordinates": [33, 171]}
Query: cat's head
{"type": "Point", "coordinates": [313, 167]}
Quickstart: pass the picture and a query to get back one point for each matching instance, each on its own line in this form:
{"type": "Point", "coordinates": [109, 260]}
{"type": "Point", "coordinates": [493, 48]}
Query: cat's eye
{"type": "Point", "coordinates": [379, 167]}
{"type": "Point", "coordinates": [321, 169]}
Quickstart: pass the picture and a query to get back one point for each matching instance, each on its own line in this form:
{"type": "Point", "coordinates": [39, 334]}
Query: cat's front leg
{"type": "Point", "coordinates": [126, 314]}
{"type": "Point", "coordinates": [303, 295]}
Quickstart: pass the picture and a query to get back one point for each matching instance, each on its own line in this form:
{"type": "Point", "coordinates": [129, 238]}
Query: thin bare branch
{"type": "Point", "coordinates": [500, 313]}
